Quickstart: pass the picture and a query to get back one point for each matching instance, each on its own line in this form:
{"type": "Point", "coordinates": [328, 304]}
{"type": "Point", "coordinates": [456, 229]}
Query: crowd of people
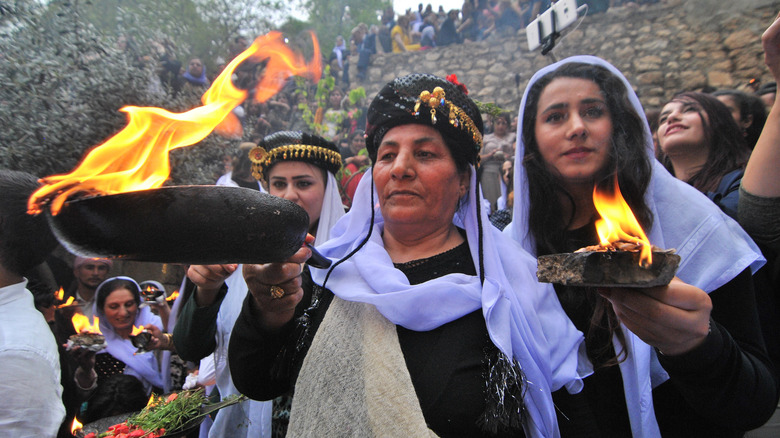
{"type": "Point", "coordinates": [430, 318]}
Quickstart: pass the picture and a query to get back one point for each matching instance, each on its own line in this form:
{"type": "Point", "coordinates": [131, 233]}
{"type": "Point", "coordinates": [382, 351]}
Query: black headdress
{"type": "Point", "coordinates": [428, 100]}
{"type": "Point", "coordinates": [294, 146]}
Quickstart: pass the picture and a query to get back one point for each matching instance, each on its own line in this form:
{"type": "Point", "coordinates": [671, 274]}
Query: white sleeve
{"type": "Point", "coordinates": [32, 396]}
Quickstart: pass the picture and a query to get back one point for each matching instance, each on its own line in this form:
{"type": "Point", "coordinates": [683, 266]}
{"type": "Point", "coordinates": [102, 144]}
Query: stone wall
{"type": "Point", "coordinates": [662, 48]}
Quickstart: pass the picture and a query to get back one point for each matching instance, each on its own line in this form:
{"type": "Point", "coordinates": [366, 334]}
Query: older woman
{"type": "Point", "coordinates": [117, 306]}
{"type": "Point", "coordinates": [301, 168]}
{"type": "Point", "coordinates": [686, 359]}
{"type": "Point", "coordinates": [429, 321]}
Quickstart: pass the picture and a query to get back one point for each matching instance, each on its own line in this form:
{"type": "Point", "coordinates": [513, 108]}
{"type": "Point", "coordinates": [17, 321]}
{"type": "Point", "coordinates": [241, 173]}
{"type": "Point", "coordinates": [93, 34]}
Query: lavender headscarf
{"type": "Point", "coordinates": [524, 319]}
{"type": "Point", "coordinates": [143, 366]}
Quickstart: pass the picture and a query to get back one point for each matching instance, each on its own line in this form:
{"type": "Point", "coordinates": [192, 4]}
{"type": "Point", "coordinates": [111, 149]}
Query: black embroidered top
{"type": "Point", "coordinates": [447, 365]}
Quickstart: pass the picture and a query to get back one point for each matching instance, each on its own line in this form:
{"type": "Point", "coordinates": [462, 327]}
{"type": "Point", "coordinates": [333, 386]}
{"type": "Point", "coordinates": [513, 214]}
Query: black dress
{"type": "Point", "coordinates": [447, 365]}
{"type": "Point", "coordinates": [720, 389]}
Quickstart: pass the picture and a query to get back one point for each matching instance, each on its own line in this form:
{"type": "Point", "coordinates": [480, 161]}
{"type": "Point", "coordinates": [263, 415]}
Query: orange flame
{"type": "Point", "coordinates": [82, 325]}
{"type": "Point", "coordinates": [136, 158]}
{"type": "Point", "coordinates": [618, 223]}
{"type": "Point", "coordinates": [136, 330]}
{"type": "Point", "coordinates": [66, 303]}
{"type": "Point", "coordinates": [76, 426]}
{"type": "Point", "coordinates": [59, 295]}
{"type": "Point", "coordinates": [173, 296]}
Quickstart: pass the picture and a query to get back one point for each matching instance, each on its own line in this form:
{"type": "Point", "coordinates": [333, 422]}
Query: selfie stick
{"type": "Point", "coordinates": [548, 43]}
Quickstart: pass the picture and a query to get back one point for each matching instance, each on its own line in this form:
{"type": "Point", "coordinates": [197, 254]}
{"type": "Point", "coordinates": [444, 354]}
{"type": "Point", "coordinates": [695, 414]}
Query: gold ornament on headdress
{"type": "Point", "coordinates": [261, 158]}
{"type": "Point", "coordinates": [436, 100]}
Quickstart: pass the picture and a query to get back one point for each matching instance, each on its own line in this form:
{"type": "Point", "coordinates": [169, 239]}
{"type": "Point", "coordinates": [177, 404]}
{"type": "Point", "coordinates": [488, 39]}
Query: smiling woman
{"type": "Point", "coordinates": [703, 145]}
{"type": "Point", "coordinates": [117, 308]}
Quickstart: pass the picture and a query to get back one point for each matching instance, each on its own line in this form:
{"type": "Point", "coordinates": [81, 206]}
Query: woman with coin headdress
{"type": "Point", "coordinates": [428, 322]}
{"type": "Point", "coordinates": [686, 359]}
{"type": "Point", "coordinates": [299, 167]}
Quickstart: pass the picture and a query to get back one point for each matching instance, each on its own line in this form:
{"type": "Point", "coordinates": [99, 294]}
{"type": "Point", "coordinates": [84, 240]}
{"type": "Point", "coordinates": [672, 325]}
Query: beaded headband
{"type": "Point", "coordinates": [262, 159]}
{"type": "Point", "coordinates": [436, 101]}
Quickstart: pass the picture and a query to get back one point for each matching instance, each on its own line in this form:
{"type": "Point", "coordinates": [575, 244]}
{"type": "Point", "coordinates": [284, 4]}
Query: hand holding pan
{"type": "Point", "coordinates": [185, 224]}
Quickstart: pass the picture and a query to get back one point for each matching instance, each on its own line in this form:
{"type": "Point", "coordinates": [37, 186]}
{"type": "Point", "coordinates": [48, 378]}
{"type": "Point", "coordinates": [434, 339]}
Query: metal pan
{"type": "Point", "coordinates": [185, 224]}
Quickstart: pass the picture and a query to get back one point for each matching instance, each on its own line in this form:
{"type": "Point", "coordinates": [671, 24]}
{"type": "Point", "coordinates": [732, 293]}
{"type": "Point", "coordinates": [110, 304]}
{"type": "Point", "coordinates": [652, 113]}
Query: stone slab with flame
{"type": "Point", "coordinates": [87, 335]}
{"type": "Point", "coordinates": [607, 268]}
{"type": "Point", "coordinates": [624, 256]}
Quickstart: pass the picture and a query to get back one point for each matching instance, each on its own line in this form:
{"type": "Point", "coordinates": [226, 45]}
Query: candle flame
{"type": "Point", "coordinates": [173, 296]}
{"type": "Point", "coordinates": [59, 295]}
{"type": "Point", "coordinates": [66, 303]}
{"type": "Point", "coordinates": [82, 325]}
{"type": "Point", "coordinates": [136, 158]}
{"type": "Point", "coordinates": [136, 330]}
{"type": "Point", "coordinates": [618, 223]}
{"type": "Point", "coordinates": [76, 426]}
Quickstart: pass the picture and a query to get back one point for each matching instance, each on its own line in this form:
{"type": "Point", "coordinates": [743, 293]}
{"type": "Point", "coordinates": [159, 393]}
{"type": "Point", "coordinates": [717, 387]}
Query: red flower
{"type": "Point", "coordinates": [454, 80]}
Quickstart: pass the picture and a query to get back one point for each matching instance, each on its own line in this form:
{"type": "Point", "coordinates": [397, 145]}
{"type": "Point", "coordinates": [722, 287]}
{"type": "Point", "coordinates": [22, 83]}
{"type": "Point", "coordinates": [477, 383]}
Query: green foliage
{"type": "Point", "coordinates": [324, 87]}
{"type": "Point", "coordinates": [63, 84]}
{"type": "Point", "coordinates": [328, 19]}
{"type": "Point", "coordinates": [356, 95]}
{"type": "Point", "coordinates": [489, 108]}
{"type": "Point", "coordinates": [62, 89]}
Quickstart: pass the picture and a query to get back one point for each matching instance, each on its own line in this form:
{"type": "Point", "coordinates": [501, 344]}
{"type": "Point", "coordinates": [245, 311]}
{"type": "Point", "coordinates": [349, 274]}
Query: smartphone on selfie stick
{"type": "Point", "coordinates": [546, 28]}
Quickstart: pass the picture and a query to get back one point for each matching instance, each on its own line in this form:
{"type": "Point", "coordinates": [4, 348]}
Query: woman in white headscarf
{"type": "Point", "coordinates": [682, 360]}
{"type": "Point", "coordinates": [117, 306]}
{"type": "Point", "coordinates": [299, 167]}
{"type": "Point", "coordinates": [429, 321]}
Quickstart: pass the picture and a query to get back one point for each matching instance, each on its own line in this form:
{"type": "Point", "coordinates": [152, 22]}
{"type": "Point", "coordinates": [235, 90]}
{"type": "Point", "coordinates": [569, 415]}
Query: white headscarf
{"type": "Point", "coordinates": [143, 366]}
{"type": "Point", "coordinates": [523, 318]}
{"type": "Point", "coordinates": [714, 249]}
{"type": "Point", "coordinates": [332, 210]}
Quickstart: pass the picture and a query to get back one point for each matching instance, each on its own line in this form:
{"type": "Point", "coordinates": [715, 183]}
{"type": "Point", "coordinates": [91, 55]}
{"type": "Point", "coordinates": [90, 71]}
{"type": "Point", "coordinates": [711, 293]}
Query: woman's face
{"type": "Point", "coordinates": [335, 99]}
{"type": "Point", "coordinates": [357, 144]}
{"type": "Point", "coordinates": [301, 183]}
{"type": "Point", "coordinates": [500, 126]}
{"type": "Point", "coordinates": [573, 130]}
{"type": "Point", "coordinates": [681, 128]}
{"type": "Point", "coordinates": [120, 309]}
{"type": "Point", "coordinates": [416, 178]}
{"type": "Point", "coordinates": [196, 67]}
{"type": "Point", "coordinates": [731, 104]}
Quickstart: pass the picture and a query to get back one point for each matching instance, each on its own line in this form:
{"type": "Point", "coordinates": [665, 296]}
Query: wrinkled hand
{"type": "Point", "coordinates": [157, 342]}
{"type": "Point", "coordinates": [276, 312]}
{"type": "Point", "coordinates": [674, 319]}
{"type": "Point", "coordinates": [771, 43]}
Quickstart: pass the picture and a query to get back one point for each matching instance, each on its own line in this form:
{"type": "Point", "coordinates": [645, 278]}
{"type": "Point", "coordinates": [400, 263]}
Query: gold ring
{"type": "Point", "coordinates": [276, 292]}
